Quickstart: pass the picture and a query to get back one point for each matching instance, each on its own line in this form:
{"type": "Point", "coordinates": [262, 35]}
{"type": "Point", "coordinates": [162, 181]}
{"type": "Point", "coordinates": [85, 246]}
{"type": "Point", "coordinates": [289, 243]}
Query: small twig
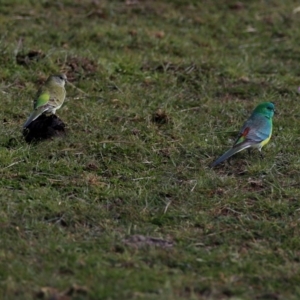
{"type": "Point", "coordinates": [12, 164]}
{"type": "Point", "coordinates": [190, 69]}
{"type": "Point", "coordinates": [215, 233]}
{"type": "Point", "coordinates": [75, 87]}
{"type": "Point", "coordinates": [141, 178]}
{"type": "Point", "coordinates": [106, 142]}
{"type": "Point", "coordinates": [167, 206]}
{"type": "Point", "coordinates": [115, 86]}
{"type": "Point", "coordinates": [19, 45]}
{"type": "Point", "coordinates": [193, 187]}
{"type": "Point", "coordinates": [191, 108]}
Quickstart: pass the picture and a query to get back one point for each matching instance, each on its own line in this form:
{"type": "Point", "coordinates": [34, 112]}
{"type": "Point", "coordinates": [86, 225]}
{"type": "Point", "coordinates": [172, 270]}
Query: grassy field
{"type": "Point", "coordinates": [125, 206]}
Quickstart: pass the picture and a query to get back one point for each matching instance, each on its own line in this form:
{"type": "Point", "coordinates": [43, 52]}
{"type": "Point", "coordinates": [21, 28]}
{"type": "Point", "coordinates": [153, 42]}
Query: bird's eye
{"type": "Point", "coordinates": [270, 108]}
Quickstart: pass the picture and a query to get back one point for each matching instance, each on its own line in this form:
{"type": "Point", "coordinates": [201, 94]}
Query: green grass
{"type": "Point", "coordinates": [167, 86]}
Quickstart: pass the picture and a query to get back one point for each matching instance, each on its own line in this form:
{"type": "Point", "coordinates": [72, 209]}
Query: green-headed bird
{"type": "Point", "coordinates": [255, 133]}
{"type": "Point", "coordinates": [49, 98]}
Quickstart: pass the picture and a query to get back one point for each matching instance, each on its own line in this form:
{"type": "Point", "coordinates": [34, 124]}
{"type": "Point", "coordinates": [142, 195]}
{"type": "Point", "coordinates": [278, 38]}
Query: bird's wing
{"type": "Point", "coordinates": [54, 99]}
{"type": "Point", "coordinates": [43, 97]}
{"type": "Point", "coordinates": [256, 129]}
{"type": "Point", "coordinates": [41, 104]}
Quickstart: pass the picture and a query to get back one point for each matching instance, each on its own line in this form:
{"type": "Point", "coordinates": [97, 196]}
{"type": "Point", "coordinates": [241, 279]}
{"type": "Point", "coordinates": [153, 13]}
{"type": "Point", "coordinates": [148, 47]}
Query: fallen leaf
{"type": "Point", "coordinates": [296, 10]}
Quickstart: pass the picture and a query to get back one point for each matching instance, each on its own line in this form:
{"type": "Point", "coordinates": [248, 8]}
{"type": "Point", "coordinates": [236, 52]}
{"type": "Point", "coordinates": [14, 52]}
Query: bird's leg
{"type": "Point", "coordinates": [249, 151]}
{"type": "Point", "coordinates": [260, 154]}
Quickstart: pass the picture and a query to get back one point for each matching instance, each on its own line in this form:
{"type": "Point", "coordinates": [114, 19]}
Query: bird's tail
{"type": "Point", "coordinates": [231, 152]}
{"type": "Point", "coordinates": [34, 115]}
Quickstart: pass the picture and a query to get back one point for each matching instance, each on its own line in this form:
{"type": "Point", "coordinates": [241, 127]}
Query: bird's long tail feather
{"type": "Point", "coordinates": [231, 152]}
{"type": "Point", "coordinates": [34, 115]}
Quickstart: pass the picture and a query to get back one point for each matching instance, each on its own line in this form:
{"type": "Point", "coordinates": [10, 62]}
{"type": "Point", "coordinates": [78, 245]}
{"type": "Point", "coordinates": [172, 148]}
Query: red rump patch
{"type": "Point", "coordinates": [245, 132]}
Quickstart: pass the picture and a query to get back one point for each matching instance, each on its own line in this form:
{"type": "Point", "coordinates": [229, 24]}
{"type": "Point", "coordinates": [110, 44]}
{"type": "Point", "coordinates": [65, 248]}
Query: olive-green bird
{"type": "Point", "coordinates": [49, 98]}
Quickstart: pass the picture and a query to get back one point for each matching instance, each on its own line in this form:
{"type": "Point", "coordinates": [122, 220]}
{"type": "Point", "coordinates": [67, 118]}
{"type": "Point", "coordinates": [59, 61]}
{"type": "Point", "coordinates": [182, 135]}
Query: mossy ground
{"type": "Point", "coordinates": [162, 87]}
